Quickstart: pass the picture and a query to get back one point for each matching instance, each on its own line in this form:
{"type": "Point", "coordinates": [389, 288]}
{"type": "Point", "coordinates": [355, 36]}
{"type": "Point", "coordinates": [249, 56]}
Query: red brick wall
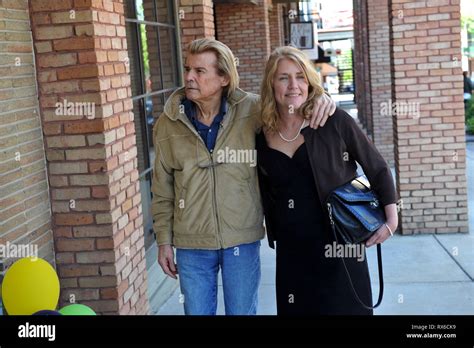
{"type": "Point", "coordinates": [81, 56]}
{"type": "Point", "coordinates": [25, 209]}
{"type": "Point", "coordinates": [275, 19]}
{"type": "Point", "coordinates": [430, 149]}
{"type": "Point", "coordinates": [380, 77]}
{"type": "Point", "coordinates": [361, 65]}
{"type": "Point", "coordinates": [196, 20]}
{"type": "Point", "coordinates": [245, 29]}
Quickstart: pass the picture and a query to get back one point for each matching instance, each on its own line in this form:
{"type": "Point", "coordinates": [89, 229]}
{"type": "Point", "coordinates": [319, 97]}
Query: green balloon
{"type": "Point", "coordinates": [76, 309]}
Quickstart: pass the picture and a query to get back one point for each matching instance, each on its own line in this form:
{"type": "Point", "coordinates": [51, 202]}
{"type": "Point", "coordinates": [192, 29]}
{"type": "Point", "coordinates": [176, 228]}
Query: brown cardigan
{"type": "Point", "coordinates": [333, 151]}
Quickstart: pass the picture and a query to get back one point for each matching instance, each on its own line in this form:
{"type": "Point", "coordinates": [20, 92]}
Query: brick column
{"type": "Point", "coordinates": [361, 65]}
{"type": "Point", "coordinates": [380, 77]}
{"type": "Point", "coordinates": [196, 20]}
{"type": "Point", "coordinates": [430, 147]}
{"type": "Point", "coordinates": [245, 29]}
{"type": "Point", "coordinates": [81, 55]}
{"type": "Point", "coordinates": [275, 19]}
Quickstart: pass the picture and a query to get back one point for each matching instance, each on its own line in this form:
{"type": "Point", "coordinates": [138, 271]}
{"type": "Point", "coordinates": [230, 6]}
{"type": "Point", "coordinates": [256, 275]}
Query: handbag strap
{"type": "Point", "coordinates": [379, 262]}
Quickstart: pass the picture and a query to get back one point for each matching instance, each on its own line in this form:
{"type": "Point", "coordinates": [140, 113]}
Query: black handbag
{"type": "Point", "coordinates": [355, 215]}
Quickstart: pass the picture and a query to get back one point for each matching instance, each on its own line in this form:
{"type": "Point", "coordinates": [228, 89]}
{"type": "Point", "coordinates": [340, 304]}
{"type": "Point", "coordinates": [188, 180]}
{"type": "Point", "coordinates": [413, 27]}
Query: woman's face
{"type": "Point", "coordinates": [290, 87]}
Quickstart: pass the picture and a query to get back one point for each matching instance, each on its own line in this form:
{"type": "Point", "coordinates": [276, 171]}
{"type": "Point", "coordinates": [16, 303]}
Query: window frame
{"type": "Point", "coordinates": [142, 96]}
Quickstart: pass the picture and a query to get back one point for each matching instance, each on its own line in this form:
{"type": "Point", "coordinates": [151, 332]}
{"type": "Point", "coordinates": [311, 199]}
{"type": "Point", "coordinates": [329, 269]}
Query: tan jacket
{"type": "Point", "coordinates": [203, 200]}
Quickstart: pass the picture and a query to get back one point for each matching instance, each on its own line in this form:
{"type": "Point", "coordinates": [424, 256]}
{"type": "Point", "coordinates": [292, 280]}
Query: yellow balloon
{"type": "Point", "coordinates": [30, 285]}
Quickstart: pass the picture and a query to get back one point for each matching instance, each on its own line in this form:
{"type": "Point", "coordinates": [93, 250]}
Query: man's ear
{"type": "Point", "coordinates": [225, 81]}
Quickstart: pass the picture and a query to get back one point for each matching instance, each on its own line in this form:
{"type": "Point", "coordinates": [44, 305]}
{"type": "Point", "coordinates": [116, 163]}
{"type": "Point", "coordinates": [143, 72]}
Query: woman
{"type": "Point", "coordinates": [298, 167]}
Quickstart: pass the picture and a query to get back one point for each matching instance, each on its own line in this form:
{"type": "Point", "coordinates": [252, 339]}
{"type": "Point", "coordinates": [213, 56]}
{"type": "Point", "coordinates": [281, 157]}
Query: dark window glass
{"type": "Point", "coordinates": [168, 57]}
{"type": "Point", "coordinates": [153, 58]}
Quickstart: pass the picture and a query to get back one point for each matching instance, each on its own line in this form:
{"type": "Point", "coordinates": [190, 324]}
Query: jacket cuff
{"type": "Point", "coordinates": [163, 243]}
{"type": "Point", "coordinates": [164, 238]}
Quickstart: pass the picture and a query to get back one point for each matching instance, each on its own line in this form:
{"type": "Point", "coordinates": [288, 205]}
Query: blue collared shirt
{"type": "Point", "coordinates": [207, 133]}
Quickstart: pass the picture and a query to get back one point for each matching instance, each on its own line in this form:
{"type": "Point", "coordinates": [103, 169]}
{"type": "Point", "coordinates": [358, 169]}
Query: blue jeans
{"type": "Point", "coordinates": [198, 269]}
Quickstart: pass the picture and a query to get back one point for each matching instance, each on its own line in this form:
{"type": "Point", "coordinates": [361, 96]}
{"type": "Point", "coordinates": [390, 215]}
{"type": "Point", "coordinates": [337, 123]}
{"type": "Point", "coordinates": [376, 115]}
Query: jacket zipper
{"type": "Point", "coordinates": [214, 201]}
{"type": "Point", "coordinates": [214, 181]}
{"type": "Point", "coordinates": [213, 176]}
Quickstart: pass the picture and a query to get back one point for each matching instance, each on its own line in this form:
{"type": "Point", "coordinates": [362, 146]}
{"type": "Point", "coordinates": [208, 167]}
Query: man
{"type": "Point", "coordinates": [206, 203]}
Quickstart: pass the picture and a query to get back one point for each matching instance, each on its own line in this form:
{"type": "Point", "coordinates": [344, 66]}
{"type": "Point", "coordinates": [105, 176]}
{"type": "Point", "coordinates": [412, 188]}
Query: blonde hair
{"type": "Point", "coordinates": [269, 108]}
{"type": "Point", "coordinates": [226, 65]}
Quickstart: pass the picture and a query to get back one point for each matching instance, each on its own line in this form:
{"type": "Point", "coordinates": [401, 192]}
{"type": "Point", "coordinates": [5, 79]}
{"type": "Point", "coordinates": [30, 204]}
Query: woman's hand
{"type": "Point", "coordinates": [383, 233]}
{"type": "Point", "coordinates": [380, 236]}
{"type": "Point", "coordinates": [323, 108]}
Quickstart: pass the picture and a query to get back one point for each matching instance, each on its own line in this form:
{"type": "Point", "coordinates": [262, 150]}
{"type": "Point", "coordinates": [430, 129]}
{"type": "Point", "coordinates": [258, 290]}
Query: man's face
{"type": "Point", "coordinates": [202, 82]}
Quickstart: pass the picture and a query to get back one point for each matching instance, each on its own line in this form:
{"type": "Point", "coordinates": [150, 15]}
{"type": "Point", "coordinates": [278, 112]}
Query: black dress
{"type": "Point", "coordinates": [307, 282]}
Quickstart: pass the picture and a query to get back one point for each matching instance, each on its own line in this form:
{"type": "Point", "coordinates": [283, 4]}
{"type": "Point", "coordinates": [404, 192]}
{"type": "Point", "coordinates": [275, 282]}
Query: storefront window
{"type": "Point", "coordinates": [153, 56]}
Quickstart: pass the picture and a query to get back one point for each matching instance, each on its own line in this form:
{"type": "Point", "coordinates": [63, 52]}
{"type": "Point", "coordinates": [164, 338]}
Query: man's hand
{"type": "Point", "coordinates": [166, 260]}
{"type": "Point", "coordinates": [323, 108]}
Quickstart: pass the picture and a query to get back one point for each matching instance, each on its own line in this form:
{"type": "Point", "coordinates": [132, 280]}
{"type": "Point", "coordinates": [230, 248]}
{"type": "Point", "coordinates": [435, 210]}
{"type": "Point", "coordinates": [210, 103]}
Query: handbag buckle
{"type": "Point", "coordinates": [330, 213]}
{"type": "Point", "coordinates": [374, 203]}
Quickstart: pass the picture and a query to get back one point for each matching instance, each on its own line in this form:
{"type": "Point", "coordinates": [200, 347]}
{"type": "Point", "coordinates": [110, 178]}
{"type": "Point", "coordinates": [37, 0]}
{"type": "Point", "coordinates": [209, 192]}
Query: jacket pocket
{"type": "Point", "coordinates": [180, 189]}
{"type": "Point", "coordinates": [241, 206]}
{"type": "Point", "coordinates": [253, 191]}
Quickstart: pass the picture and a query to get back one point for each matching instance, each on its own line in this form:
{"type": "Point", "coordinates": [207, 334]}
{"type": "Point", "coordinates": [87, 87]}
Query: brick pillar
{"type": "Point", "coordinates": [275, 18]}
{"type": "Point", "coordinates": [245, 29]}
{"type": "Point", "coordinates": [361, 65]}
{"type": "Point", "coordinates": [196, 20]}
{"type": "Point", "coordinates": [380, 77]}
{"type": "Point", "coordinates": [430, 148]}
{"type": "Point", "coordinates": [81, 56]}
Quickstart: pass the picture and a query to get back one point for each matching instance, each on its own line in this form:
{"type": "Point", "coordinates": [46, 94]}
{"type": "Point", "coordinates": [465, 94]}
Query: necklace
{"type": "Point", "coordinates": [297, 134]}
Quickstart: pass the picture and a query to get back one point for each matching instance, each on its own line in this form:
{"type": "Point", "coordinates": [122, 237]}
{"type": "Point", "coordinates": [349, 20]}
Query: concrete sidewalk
{"type": "Point", "coordinates": [423, 274]}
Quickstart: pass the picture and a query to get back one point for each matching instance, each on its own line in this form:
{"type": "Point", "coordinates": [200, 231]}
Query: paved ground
{"type": "Point", "coordinates": [424, 274]}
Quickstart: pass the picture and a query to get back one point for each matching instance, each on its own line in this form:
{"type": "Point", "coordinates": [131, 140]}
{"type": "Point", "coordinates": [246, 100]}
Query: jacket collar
{"type": "Point", "coordinates": [172, 110]}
